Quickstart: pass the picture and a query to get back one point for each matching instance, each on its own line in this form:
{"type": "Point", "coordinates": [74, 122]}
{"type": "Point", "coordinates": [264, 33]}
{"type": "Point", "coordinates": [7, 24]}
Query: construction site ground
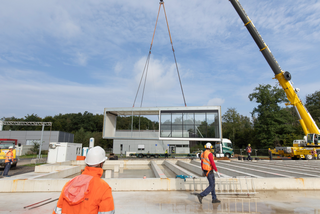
{"type": "Point", "coordinates": [278, 186]}
{"type": "Point", "coordinates": [155, 202]}
{"type": "Point", "coordinates": [23, 166]}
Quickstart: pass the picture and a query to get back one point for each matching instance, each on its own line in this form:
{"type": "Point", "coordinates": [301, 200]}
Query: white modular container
{"type": "Point", "coordinates": [61, 152]}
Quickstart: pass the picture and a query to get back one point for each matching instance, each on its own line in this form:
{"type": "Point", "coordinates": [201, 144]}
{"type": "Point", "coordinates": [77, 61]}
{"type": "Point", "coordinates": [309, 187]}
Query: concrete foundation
{"type": "Point", "coordinates": [164, 202]}
{"type": "Point", "coordinates": [52, 177]}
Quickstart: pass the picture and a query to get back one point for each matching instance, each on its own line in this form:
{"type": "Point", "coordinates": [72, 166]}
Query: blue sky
{"type": "Point", "coordinates": [85, 55]}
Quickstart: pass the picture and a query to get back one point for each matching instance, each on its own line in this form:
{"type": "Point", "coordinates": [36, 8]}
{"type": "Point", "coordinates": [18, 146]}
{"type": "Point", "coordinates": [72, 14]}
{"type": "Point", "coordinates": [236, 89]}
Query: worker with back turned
{"type": "Point", "coordinates": [208, 165]}
{"type": "Point", "coordinates": [87, 193]}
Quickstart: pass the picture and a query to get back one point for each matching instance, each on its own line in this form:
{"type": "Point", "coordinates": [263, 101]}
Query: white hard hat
{"type": "Point", "coordinates": [10, 147]}
{"type": "Point", "coordinates": [208, 145]}
{"type": "Point", "coordinates": [95, 156]}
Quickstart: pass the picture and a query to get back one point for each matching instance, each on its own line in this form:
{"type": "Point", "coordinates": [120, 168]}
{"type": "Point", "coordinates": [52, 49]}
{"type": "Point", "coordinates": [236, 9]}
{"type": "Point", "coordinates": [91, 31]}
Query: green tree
{"type": "Point", "coordinates": [237, 128]}
{"type": "Point", "coordinates": [81, 137]}
{"type": "Point", "coordinates": [35, 148]}
{"type": "Point", "coordinates": [313, 106]}
{"type": "Point", "coordinates": [142, 123]}
{"type": "Point", "coordinates": [272, 124]}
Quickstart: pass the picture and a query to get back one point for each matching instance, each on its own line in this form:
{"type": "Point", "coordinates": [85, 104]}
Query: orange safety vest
{"type": "Point", "coordinates": [86, 194]}
{"type": "Point", "coordinates": [249, 150]}
{"type": "Point", "coordinates": [9, 157]}
{"type": "Point", "coordinates": [206, 164]}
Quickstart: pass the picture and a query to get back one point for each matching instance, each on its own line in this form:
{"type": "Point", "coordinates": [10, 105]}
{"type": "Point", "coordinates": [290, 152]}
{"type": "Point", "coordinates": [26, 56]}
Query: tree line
{"type": "Point", "coordinates": [271, 123]}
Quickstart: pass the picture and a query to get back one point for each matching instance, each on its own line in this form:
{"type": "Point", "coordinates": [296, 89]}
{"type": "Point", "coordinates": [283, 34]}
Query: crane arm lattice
{"type": "Point", "coordinates": [20, 123]}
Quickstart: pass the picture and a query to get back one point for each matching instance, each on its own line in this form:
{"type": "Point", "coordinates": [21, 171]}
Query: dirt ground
{"type": "Point", "coordinates": [20, 168]}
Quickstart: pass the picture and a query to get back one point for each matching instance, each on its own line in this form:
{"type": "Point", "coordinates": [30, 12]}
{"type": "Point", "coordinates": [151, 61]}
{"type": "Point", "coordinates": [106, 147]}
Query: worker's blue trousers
{"type": "Point", "coordinates": [211, 187]}
{"type": "Point", "coordinates": [6, 169]}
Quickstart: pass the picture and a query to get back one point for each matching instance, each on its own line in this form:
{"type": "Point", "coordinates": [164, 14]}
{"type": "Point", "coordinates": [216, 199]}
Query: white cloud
{"type": "Point", "coordinates": [81, 59]}
{"type": "Point", "coordinates": [215, 102]}
{"type": "Point", "coordinates": [45, 43]}
{"type": "Point", "coordinates": [118, 68]}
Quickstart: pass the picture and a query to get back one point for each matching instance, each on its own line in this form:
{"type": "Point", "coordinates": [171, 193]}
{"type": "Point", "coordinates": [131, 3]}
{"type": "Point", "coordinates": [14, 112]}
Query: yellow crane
{"type": "Point", "coordinates": [301, 148]}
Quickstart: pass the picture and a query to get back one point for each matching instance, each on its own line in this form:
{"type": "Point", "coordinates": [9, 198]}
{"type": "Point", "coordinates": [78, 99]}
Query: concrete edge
{"type": "Point", "coordinates": [169, 184]}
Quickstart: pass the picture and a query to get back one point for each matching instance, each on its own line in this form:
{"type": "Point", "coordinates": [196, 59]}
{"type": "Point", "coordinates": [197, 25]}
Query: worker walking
{"type": "Point", "coordinates": [249, 150]}
{"type": "Point", "coordinates": [208, 165]}
{"type": "Point", "coordinates": [87, 193]}
{"type": "Point", "coordinates": [8, 162]}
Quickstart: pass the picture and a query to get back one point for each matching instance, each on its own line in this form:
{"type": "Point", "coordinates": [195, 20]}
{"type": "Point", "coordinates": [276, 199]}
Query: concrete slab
{"type": "Point", "coordinates": [157, 171]}
{"type": "Point", "coordinates": [179, 170]}
{"type": "Point", "coordinates": [268, 202]}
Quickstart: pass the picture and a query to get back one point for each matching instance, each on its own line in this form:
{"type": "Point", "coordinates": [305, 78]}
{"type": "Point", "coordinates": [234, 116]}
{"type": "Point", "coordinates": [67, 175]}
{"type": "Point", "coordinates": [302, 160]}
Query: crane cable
{"type": "Point", "coordinates": [146, 66]}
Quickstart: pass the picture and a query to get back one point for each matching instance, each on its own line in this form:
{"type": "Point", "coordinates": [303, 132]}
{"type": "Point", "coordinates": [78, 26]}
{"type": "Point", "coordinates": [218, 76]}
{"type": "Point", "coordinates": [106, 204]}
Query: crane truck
{"type": "Point", "coordinates": [306, 148]}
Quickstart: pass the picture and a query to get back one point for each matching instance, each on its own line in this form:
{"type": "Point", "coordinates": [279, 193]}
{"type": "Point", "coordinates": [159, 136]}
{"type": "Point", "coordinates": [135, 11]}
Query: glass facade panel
{"type": "Point", "coordinates": [176, 124]}
{"type": "Point", "coordinates": [188, 125]}
{"type": "Point", "coordinates": [200, 125]}
{"type": "Point", "coordinates": [166, 125]}
{"type": "Point", "coordinates": [213, 125]}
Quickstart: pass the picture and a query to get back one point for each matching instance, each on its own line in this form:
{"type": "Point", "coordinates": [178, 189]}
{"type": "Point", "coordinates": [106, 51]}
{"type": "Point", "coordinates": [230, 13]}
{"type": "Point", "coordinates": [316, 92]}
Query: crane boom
{"type": "Point", "coordinates": [305, 119]}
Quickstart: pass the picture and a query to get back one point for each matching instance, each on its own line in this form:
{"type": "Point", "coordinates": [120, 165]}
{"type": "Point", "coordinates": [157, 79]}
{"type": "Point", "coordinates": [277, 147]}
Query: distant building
{"type": "Point", "coordinates": [30, 137]}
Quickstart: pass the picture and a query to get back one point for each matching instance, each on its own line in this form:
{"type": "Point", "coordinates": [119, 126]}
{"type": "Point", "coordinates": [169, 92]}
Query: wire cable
{"type": "Point", "coordinates": [146, 66]}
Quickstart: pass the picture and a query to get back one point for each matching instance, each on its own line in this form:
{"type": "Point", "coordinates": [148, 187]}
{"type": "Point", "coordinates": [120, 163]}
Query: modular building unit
{"type": "Point", "coordinates": [177, 127]}
{"type": "Point", "coordinates": [145, 146]}
{"type": "Point", "coordinates": [61, 152]}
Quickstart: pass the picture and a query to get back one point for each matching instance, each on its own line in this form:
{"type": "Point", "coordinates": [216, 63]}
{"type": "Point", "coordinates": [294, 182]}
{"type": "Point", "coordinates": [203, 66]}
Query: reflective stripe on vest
{"type": "Point", "coordinates": [206, 164]}
{"type": "Point", "coordinates": [110, 212]}
{"type": "Point", "coordinates": [58, 210]}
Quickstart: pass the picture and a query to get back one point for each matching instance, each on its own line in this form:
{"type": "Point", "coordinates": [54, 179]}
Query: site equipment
{"type": "Point", "coordinates": [226, 148]}
{"type": "Point", "coordinates": [4, 148]}
{"type": "Point", "coordinates": [149, 155]}
{"type": "Point", "coordinates": [61, 152]}
{"type": "Point", "coordinates": [301, 148]}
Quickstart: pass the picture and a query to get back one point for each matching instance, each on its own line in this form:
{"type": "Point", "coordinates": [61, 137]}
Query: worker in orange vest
{"type": "Point", "coordinates": [8, 162]}
{"type": "Point", "coordinates": [249, 150]}
{"type": "Point", "coordinates": [208, 165]}
{"type": "Point", "coordinates": [87, 193]}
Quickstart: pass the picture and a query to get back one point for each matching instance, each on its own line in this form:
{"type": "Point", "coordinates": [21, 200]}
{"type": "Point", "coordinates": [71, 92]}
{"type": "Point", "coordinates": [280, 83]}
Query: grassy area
{"type": "Point", "coordinates": [31, 156]}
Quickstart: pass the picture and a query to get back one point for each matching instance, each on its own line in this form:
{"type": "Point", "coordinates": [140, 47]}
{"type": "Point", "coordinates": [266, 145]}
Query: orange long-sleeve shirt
{"type": "Point", "coordinates": [86, 194]}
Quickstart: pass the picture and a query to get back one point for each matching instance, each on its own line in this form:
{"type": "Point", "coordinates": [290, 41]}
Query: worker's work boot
{"type": "Point", "coordinates": [216, 201]}
{"type": "Point", "coordinates": [199, 198]}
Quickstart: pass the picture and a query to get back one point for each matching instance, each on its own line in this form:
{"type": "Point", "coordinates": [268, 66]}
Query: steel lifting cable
{"type": "Point", "coordinates": [146, 66]}
{"type": "Point", "coordinates": [174, 55]}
